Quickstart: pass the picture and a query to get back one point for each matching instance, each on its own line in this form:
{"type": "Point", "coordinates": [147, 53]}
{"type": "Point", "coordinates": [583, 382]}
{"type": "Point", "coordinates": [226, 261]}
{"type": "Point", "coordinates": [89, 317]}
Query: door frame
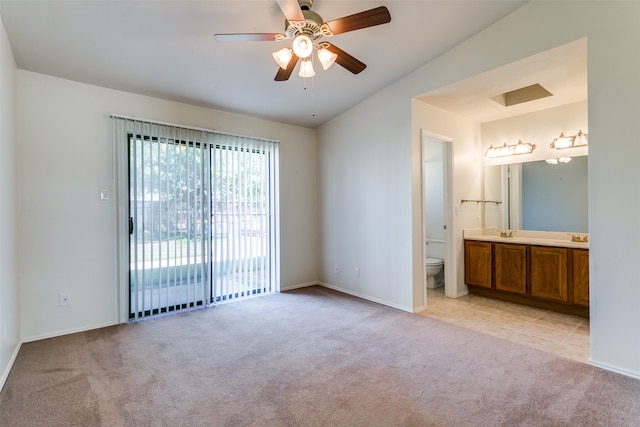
{"type": "Point", "coordinates": [450, 264]}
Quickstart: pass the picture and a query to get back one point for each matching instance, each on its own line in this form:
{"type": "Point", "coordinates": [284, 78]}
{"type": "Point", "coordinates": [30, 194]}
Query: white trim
{"type": "Point", "coordinates": [368, 298]}
{"type": "Point", "coordinates": [419, 309]}
{"type": "Point", "coordinates": [299, 286]}
{"type": "Point", "coordinates": [12, 359]}
{"type": "Point", "coordinates": [437, 136]}
{"type": "Point", "coordinates": [615, 369]}
{"type": "Point", "coordinates": [461, 294]}
{"type": "Point", "coordinates": [450, 261]}
{"type": "Point", "coordinates": [69, 331]}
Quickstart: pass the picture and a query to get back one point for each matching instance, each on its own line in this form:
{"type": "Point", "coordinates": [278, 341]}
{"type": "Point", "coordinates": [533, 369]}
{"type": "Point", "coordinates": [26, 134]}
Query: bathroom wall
{"type": "Point", "coordinates": [539, 128]}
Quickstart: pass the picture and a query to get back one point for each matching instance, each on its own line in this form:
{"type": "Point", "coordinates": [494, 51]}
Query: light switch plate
{"type": "Point", "coordinates": [104, 194]}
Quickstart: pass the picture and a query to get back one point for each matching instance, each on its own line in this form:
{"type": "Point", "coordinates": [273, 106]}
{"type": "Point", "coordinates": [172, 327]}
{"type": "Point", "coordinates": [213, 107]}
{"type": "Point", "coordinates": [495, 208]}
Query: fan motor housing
{"type": "Point", "coordinates": [311, 26]}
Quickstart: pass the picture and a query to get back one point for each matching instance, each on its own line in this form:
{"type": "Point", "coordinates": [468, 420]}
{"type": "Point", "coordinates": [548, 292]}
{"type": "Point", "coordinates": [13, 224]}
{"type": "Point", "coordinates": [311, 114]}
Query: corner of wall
{"type": "Point", "coordinates": [10, 339]}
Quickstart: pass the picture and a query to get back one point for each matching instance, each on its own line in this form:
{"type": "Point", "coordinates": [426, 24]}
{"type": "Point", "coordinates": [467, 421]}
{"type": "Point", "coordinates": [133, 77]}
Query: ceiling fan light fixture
{"type": "Point", "coordinates": [304, 28]}
{"type": "Point", "coordinates": [282, 57]}
{"type": "Point", "coordinates": [326, 57]}
{"type": "Point", "coordinates": [306, 68]}
{"type": "Point", "coordinates": [302, 46]}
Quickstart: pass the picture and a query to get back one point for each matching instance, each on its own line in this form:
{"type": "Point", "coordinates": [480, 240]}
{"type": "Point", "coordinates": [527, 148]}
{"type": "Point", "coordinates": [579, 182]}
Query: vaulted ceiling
{"type": "Point", "coordinates": [166, 49]}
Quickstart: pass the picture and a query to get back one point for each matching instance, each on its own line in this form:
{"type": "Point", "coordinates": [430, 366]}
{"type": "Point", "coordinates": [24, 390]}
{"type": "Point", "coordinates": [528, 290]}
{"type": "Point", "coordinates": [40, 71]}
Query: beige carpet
{"type": "Point", "coordinates": [311, 357]}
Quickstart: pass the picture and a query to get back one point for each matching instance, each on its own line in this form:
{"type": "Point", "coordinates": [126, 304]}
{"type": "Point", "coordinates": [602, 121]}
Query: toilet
{"type": "Point", "coordinates": [434, 267]}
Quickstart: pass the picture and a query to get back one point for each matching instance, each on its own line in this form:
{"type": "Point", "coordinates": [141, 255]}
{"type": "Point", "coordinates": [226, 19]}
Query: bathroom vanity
{"type": "Point", "coordinates": [548, 270]}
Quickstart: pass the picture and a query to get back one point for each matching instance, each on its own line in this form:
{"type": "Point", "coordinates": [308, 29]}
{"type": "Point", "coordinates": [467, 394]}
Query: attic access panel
{"type": "Point", "coordinates": [525, 94]}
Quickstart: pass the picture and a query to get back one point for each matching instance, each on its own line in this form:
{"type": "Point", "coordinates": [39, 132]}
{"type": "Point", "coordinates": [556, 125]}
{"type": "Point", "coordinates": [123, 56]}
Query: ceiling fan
{"type": "Point", "coordinates": [306, 29]}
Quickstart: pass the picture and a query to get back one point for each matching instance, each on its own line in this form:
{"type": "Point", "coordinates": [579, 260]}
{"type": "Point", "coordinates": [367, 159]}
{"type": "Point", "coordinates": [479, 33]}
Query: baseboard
{"type": "Point", "coordinates": [367, 297]}
{"type": "Point", "coordinates": [69, 331]}
{"type": "Point", "coordinates": [419, 309]}
{"type": "Point", "coordinates": [298, 286]}
{"type": "Point", "coordinates": [615, 369]}
{"type": "Point", "coordinates": [461, 294]}
{"type": "Point", "coordinates": [5, 374]}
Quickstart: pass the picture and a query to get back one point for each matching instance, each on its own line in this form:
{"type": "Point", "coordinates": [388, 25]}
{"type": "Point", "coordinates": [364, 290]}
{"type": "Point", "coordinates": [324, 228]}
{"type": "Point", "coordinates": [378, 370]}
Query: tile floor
{"type": "Point", "coordinates": [560, 334]}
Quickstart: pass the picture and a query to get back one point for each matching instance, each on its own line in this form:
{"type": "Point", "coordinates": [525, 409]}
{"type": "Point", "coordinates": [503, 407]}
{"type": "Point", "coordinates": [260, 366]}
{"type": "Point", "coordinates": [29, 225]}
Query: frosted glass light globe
{"type": "Point", "coordinates": [302, 46]}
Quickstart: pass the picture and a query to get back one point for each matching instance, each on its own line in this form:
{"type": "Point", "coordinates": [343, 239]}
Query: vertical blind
{"type": "Point", "coordinates": [196, 216]}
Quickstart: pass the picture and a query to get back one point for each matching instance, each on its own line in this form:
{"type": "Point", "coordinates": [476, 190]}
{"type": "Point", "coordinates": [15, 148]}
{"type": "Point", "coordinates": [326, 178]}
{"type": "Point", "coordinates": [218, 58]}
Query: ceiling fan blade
{"type": "Point", "coordinates": [246, 37]}
{"type": "Point", "coordinates": [291, 10]}
{"type": "Point", "coordinates": [368, 18]}
{"type": "Point", "coordinates": [345, 60]}
{"type": "Point", "coordinates": [283, 75]}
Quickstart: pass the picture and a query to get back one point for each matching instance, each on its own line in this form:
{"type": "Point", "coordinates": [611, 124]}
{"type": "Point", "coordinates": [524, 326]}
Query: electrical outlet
{"type": "Point", "coordinates": [65, 299]}
{"type": "Point", "coordinates": [336, 269]}
{"type": "Point", "coordinates": [356, 272]}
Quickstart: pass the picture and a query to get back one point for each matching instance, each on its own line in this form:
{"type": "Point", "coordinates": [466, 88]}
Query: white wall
{"type": "Point", "coordinates": [364, 189]}
{"type": "Point", "coordinates": [67, 237]}
{"type": "Point", "coordinates": [9, 292]}
{"type": "Point", "coordinates": [539, 128]}
{"type": "Point", "coordinates": [376, 136]}
{"type": "Point", "coordinates": [370, 175]}
{"type": "Point", "coordinates": [467, 184]}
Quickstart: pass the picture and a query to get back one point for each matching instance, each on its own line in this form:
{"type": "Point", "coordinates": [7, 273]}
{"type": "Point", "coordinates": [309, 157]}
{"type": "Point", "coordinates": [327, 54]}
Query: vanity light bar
{"type": "Point", "coordinates": [578, 140]}
{"type": "Point", "coordinates": [510, 150]}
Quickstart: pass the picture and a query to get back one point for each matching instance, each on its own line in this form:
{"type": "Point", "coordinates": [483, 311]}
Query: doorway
{"type": "Point", "coordinates": [437, 218]}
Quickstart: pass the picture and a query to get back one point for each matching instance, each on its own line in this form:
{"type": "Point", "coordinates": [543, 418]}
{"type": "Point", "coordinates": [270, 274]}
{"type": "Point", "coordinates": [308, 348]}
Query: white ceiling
{"type": "Point", "coordinates": [166, 49]}
{"type": "Point", "coordinates": [562, 71]}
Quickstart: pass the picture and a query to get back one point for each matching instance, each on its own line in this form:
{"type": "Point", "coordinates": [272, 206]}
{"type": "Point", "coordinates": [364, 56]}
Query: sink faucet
{"type": "Point", "coordinates": [579, 239]}
{"type": "Point", "coordinates": [506, 233]}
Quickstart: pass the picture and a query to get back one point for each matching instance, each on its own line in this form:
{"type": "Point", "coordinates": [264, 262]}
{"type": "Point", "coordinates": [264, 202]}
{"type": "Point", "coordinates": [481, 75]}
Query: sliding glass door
{"type": "Point", "coordinates": [243, 227]}
{"type": "Point", "coordinates": [201, 220]}
{"type": "Point", "coordinates": [169, 233]}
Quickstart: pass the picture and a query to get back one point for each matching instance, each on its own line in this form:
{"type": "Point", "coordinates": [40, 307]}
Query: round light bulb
{"type": "Point", "coordinates": [302, 46]}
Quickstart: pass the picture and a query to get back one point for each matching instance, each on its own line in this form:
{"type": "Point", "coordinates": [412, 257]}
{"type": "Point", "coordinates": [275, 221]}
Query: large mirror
{"type": "Point", "coordinates": [537, 196]}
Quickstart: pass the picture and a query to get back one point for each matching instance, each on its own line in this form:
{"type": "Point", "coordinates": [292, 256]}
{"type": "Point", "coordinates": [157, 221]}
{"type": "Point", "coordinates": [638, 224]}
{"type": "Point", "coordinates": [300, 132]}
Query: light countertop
{"type": "Point", "coordinates": [527, 237]}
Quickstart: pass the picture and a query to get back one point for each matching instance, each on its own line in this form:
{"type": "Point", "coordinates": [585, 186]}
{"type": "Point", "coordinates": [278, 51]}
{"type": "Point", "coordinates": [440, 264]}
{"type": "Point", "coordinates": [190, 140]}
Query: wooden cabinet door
{"type": "Point", "coordinates": [511, 267]}
{"type": "Point", "coordinates": [581, 277]}
{"type": "Point", "coordinates": [549, 273]}
{"type": "Point", "coordinates": [477, 263]}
